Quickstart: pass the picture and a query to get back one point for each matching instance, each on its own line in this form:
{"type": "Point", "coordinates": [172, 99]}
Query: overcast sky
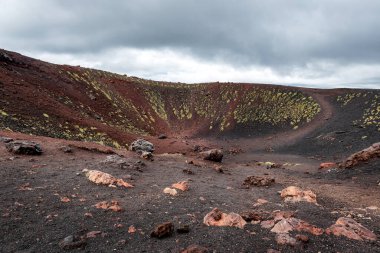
{"type": "Point", "coordinates": [318, 43]}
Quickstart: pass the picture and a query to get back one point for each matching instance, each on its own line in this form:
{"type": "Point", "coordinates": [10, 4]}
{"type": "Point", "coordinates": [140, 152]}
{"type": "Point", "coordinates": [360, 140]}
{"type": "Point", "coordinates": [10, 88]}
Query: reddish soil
{"type": "Point", "coordinates": [47, 198]}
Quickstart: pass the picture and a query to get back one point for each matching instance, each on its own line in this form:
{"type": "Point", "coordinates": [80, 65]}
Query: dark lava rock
{"type": "Point", "coordinates": [66, 149]}
{"type": "Point", "coordinates": [249, 216]}
{"type": "Point", "coordinates": [162, 136]}
{"type": "Point", "coordinates": [215, 155]}
{"type": "Point", "coordinates": [141, 145]}
{"type": "Point", "coordinates": [5, 139]}
{"type": "Point", "coordinates": [183, 229]}
{"type": "Point", "coordinates": [188, 171]}
{"type": "Point", "coordinates": [194, 249]}
{"type": "Point", "coordinates": [4, 57]}
{"type": "Point", "coordinates": [24, 148]}
{"type": "Point", "coordinates": [257, 181]}
{"type": "Point", "coordinates": [163, 230]}
{"type": "Point", "coordinates": [72, 242]}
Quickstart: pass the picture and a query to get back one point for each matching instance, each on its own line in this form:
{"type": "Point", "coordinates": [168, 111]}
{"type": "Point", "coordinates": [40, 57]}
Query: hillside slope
{"type": "Point", "coordinates": [85, 104]}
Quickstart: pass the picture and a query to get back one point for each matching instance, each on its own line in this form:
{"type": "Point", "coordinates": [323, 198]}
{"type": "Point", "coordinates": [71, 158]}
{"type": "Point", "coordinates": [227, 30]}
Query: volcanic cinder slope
{"type": "Point", "coordinates": [46, 198]}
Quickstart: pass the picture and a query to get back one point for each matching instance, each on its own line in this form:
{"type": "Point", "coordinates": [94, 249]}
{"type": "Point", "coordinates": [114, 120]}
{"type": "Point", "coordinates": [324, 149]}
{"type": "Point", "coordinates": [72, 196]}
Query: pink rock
{"type": "Point", "coordinates": [351, 229]}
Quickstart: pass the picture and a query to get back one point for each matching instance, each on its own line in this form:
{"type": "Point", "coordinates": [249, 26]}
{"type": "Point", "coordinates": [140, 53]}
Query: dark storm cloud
{"type": "Point", "coordinates": [282, 35]}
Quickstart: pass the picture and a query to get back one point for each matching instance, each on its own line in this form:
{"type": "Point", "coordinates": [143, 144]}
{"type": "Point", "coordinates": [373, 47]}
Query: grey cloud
{"type": "Point", "coordinates": [282, 35]}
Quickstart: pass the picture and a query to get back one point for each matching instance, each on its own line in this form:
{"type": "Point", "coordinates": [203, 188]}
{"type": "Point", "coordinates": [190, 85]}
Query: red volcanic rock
{"type": "Point", "coordinates": [362, 156]}
{"type": "Point", "coordinates": [351, 229]}
{"type": "Point", "coordinates": [302, 238]}
{"type": "Point", "coordinates": [285, 239]}
{"type": "Point", "coordinates": [296, 194]}
{"type": "Point", "coordinates": [290, 224]}
{"type": "Point", "coordinates": [217, 218]}
{"type": "Point", "coordinates": [103, 178]}
{"type": "Point", "coordinates": [110, 205]}
{"type": "Point", "coordinates": [267, 224]}
{"type": "Point", "coordinates": [183, 186]}
{"type": "Point", "coordinates": [327, 165]}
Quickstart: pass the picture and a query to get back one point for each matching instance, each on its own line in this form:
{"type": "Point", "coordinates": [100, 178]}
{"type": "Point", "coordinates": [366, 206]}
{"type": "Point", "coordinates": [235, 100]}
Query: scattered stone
{"type": "Point", "coordinates": [273, 251]}
{"type": "Point", "coordinates": [93, 234]}
{"type": "Point", "coordinates": [112, 205]}
{"type": "Point", "coordinates": [267, 224]}
{"type": "Point", "coordinates": [65, 199]}
{"type": "Point", "coordinates": [88, 215]}
{"type": "Point", "coordinates": [327, 165]}
{"type": "Point", "coordinates": [280, 215]}
{"type": "Point", "coordinates": [285, 239]}
{"type": "Point", "coordinates": [162, 136]}
{"type": "Point", "coordinates": [103, 178]}
{"type": "Point", "coordinates": [142, 145]}
{"type": "Point", "coordinates": [249, 216]}
{"type": "Point", "coordinates": [114, 159]}
{"type": "Point", "coordinates": [282, 227]}
{"type": "Point", "coordinates": [72, 242]}
{"type": "Point", "coordinates": [235, 151]}
{"type": "Point", "coordinates": [275, 166]}
{"type": "Point", "coordinates": [170, 191]}
{"type": "Point", "coordinates": [362, 156]}
{"type": "Point", "coordinates": [66, 149]}
{"type": "Point", "coordinates": [163, 230]}
{"type": "Point", "coordinates": [215, 155]}
{"type": "Point", "coordinates": [183, 229]}
{"type": "Point", "coordinates": [198, 148]}
{"type": "Point", "coordinates": [302, 238]}
{"type": "Point", "coordinates": [295, 194]}
{"type": "Point", "coordinates": [131, 229]}
{"type": "Point", "coordinates": [219, 169]}
{"type": "Point", "coordinates": [257, 181]}
{"type": "Point", "coordinates": [217, 218]}
{"type": "Point", "coordinates": [188, 171]}
{"type": "Point", "coordinates": [183, 186]}
{"type": "Point", "coordinates": [146, 155]}
{"type": "Point", "coordinates": [194, 249]}
{"type": "Point", "coordinates": [24, 148]}
{"type": "Point", "coordinates": [303, 226]}
{"type": "Point", "coordinates": [5, 139]}
{"type": "Point", "coordinates": [351, 229]}
{"type": "Point", "coordinates": [260, 202]}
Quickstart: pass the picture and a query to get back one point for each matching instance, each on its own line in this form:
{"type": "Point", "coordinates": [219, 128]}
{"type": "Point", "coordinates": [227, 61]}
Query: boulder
{"type": "Point", "coordinates": [24, 147]}
{"type": "Point", "coordinates": [295, 194]}
{"type": "Point", "coordinates": [141, 145]}
{"type": "Point", "coordinates": [351, 229]}
{"type": "Point", "coordinates": [217, 218]}
{"type": "Point", "coordinates": [215, 155]}
{"type": "Point", "coordinates": [103, 178]}
{"type": "Point", "coordinates": [362, 156]}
